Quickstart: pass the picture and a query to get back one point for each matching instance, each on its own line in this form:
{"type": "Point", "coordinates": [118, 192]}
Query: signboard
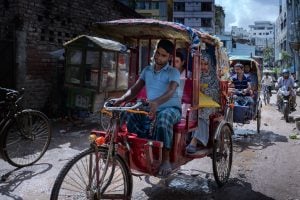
{"type": "Point", "coordinates": [82, 101]}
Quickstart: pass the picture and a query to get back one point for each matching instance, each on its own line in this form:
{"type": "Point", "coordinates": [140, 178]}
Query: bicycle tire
{"type": "Point", "coordinates": [77, 181]}
{"type": "Point", "coordinates": [26, 138]}
{"type": "Point", "coordinates": [268, 98]}
{"type": "Point", "coordinates": [222, 155]}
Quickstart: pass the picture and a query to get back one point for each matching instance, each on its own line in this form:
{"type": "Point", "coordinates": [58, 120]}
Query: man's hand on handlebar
{"type": "Point", "coordinates": [117, 101]}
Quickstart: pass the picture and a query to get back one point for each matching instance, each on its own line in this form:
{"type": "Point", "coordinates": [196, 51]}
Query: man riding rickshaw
{"type": "Point", "coordinates": [117, 153]}
{"type": "Point", "coordinates": [245, 88]}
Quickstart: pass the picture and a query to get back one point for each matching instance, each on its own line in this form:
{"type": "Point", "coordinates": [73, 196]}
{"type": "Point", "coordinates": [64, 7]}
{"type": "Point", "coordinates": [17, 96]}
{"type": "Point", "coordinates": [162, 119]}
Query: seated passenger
{"type": "Point", "coordinates": [251, 76]}
{"type": "Point", "coordinates": [242, 85]}
{"type": "Point", "coordinates": [161, 82]}
{"type": "Point", "coordinates": [200, 136]}
{"type": "Point", "coordinates": [181, 66]}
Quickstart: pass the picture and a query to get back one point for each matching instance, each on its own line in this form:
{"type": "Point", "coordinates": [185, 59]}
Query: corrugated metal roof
{"type": "Point", "coordinates": [101, 42]}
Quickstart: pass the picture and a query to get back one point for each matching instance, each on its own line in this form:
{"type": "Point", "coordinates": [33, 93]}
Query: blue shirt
{"type": "Point", "coordinates": [240, 85]}
{"type": "Point", "coordinates": [252, 78]}
{"type": "Point", "coordinates": [288, 83]}
{"type": "Point", "coordinates": [157, 84]}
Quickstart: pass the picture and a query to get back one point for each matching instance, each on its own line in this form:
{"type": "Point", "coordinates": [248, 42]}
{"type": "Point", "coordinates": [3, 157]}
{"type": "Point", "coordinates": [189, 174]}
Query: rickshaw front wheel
{"type": "Point", "coordinates": [222, 154]}
{"type": "Point", "coordinates": [87, 176]}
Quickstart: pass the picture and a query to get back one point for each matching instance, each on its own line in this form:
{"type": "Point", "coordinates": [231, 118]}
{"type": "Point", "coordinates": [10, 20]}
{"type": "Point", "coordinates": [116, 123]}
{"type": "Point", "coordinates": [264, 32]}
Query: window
{"type": "Point", "coordinates": [75, 57]}
{"type": "Point", "coordinates": [123, 68]}
{"type": "Point", "coordinates": [179, 20]}
{"type": "Point", "coordinates": [97, 69]}
{"type": "Point", "coordinates": [92, 69]}
{"type": "Point", "coordinates": [206, 22]}
{"type": "Point", "coordinates": [73, 71]}
{"type": "Point", "coordinates": [155, 5]}
{"type": "Point", "coordinates": [206, 6]}
{"type": "Point", "coordinates": [114, 71]}
{"type": "Point", "coordinates": [140, 5]}
{"type": "Point", "coordinates": [108, 64]}
{"type": "Point", "coordinates": [179, 6]}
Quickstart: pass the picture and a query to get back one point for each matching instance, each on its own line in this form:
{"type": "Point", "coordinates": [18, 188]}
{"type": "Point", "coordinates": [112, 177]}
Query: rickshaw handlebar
{"type": "Point", "coordinates": [140, 107]}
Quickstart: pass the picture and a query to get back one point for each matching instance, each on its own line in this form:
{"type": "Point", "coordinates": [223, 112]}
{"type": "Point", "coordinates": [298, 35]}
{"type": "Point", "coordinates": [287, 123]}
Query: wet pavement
{"type": "Point", "coordinates": [265, 166]}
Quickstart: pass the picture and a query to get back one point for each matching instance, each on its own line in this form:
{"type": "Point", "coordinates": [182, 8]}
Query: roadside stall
{"type": "Point", "coordinates": [96, 69]}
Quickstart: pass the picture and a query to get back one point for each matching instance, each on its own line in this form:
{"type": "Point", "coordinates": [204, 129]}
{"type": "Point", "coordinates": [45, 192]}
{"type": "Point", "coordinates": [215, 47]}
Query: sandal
{"type": "Point", "coordinates": [165, 169]}
{"type": "Point", "coordinates": [191, 149]}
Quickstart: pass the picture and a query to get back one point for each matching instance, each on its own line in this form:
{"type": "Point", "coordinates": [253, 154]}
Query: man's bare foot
{"type": "Point", "coordinates": [165, 168]}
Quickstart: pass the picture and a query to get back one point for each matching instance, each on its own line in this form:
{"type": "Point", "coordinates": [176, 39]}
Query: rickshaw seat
{"type": "Point", "coordinates": [187, 96]}
{"type": "Point", "coordinates": [186, 124]}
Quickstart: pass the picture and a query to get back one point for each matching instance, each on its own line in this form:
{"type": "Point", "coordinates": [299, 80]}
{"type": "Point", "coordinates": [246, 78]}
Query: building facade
{"type": "Point", "coordinates": [31, 30]}
{"type": "Point", "coordinates": [156, 9]}
{"type": "Point", "coordinates": [262, 35]}
{"type": "Point", "coordinates": [198, 14]}
{"type": "Point", "coordinates": [219, 20]}
{"type": "Point", "coordinates": [239, 32]}
{"type": "Point", "coordinates": [287, 43]}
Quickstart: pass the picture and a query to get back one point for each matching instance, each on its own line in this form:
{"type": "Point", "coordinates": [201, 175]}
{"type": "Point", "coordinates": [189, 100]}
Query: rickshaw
{"type": "Point", "coordinates": [105, 170]}
{"type": "Point", "coordinates": [242, 114]}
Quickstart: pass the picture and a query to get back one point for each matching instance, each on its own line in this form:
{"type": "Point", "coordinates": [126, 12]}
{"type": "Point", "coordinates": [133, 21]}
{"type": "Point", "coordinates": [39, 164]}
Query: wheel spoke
{"type": "Point", "coordinates": [222, 156]}
{"type": "Point", "coordinates": [77, 181]}
{"type": "Point", "coordinates": [27, 138]}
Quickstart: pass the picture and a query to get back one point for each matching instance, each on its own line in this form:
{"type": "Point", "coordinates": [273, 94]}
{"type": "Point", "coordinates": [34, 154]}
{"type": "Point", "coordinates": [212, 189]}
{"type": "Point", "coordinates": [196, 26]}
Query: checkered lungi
{"type": "Point", "coordinates": [163, 128]}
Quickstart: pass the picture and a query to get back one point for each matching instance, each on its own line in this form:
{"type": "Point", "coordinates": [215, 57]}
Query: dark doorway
{"type": "Point", "coordinates": [7, 68]}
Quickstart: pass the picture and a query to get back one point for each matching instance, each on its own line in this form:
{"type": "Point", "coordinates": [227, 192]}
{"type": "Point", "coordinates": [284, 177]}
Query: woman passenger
{"type": "Point", "coordinates": [181, 66]}
{"type": "Point", "coordinates": [201, 135]}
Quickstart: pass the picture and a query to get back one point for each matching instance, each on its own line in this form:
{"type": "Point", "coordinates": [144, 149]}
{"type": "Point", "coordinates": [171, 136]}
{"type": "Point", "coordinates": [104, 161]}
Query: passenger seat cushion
{"type": "Point", "coordinates": [187, 96]}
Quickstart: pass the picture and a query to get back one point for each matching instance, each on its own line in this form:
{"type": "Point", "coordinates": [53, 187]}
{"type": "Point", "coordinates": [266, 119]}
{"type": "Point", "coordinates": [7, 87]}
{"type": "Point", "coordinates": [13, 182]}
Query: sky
{"type": "Point", "coordinates": [243, 13]}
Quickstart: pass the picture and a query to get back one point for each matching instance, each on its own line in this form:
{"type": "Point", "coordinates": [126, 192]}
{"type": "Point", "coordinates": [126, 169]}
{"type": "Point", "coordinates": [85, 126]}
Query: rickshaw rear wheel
{"type": "Point", "coordinates": [258, 120]}
{"type": "Point", "coordinates": [79, 179]}
{"type": "Point", "coordinates": [222, 154]}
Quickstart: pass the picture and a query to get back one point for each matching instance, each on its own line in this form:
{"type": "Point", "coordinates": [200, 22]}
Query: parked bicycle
{"type": "Point", "coordinates": [25, 134]}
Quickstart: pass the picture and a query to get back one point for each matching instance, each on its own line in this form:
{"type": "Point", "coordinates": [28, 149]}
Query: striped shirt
{"type": "Point", "coordinates": [240, 85]}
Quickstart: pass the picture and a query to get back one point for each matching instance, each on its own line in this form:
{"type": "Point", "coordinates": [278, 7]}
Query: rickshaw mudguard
{"type": "Point", "coordinates": [141, 154]}
{"type": "Point", "coordinates": [221, 124]}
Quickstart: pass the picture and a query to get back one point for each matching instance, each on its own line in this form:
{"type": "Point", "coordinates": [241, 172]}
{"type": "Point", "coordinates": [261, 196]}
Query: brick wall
{"type": "Point", "coordinates": [42, 26]}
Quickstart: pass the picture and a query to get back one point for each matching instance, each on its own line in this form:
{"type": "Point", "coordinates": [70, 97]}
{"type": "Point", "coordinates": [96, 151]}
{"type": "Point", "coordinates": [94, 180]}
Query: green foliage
{"type": "Point", "coordinates": [268, 55]}
{"type": "Point", "coordinates": [286, 59]}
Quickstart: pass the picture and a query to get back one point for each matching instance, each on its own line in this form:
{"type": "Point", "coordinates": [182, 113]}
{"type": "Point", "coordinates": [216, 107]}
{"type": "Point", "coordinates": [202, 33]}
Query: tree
{"type": "Point", "coordinates": [268, 55]}
{"type": "Point", "coordinates": [286, 59]}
